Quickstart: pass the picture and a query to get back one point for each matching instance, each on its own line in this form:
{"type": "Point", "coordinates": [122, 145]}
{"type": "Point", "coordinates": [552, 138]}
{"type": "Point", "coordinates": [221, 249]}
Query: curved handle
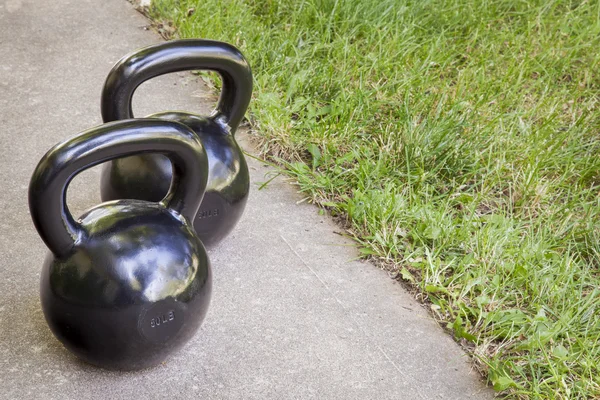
{"type": "Point", "coordinates": [48, 186]}
{"type": "Point", "coordinates": [174, 56]}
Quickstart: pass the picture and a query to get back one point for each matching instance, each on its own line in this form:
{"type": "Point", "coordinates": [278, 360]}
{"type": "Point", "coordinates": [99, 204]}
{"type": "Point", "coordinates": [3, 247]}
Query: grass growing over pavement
{"type": "Point", "coordinates": [461, 141]}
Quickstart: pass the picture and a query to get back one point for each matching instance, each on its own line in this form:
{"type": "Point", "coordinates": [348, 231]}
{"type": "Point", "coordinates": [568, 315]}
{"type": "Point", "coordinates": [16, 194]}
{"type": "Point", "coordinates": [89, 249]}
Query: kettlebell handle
{"type": "Point", "coordinates": [174, 56]}
{"type": "Point", "coordinates": [56, 169]}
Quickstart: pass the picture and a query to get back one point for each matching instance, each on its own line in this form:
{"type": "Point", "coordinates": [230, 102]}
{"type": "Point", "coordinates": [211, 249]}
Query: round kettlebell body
{"type": "Point", "coordinates": [147, 177]}
{"type": "Point", "coordinates": [136, 288]}
{"type": "Point", "coordinates": [129, 282]}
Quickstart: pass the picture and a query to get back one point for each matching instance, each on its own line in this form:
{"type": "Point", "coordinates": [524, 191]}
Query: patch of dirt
{"type": "Point", "coordinates": [166, 29]}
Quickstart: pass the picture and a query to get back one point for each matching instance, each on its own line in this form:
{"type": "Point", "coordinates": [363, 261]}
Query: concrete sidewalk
{"type": "Point", "coordinates": [292, 316]}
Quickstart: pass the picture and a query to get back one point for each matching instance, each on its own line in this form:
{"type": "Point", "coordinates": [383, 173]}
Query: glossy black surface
{"type": "Point", "coordinates": [129, 282]}
{"type": "Point", "coordinates": [147, 177]}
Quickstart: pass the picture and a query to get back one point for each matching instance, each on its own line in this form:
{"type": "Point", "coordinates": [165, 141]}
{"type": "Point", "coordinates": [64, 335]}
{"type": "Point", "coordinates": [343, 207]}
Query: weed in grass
{"type": "Point", "coordinates": [460, 141]}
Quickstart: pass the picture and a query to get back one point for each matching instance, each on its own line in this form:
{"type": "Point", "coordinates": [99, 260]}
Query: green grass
{"type": "Point", "coordinates": [460, 140]}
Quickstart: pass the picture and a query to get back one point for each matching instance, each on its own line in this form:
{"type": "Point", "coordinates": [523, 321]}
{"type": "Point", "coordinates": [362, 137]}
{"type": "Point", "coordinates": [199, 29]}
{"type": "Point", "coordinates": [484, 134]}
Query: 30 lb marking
{"type": "Point", "coordinates": [208, 213]}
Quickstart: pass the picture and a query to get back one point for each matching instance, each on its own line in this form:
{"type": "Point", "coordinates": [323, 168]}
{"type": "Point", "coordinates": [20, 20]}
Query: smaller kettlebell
{"type": "Point", "coordinates": [129, 282]}
{"type": "Point", "coordinates": [147, 176]}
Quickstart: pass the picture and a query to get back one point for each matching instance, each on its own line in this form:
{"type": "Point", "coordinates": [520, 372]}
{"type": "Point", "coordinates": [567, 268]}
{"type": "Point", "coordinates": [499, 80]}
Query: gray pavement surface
{"type": "Point", "coordinates": [293, 314]}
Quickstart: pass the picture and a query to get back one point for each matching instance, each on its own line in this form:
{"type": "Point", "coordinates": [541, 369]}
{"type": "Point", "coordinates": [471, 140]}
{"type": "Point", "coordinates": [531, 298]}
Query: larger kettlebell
{"type": "Point", "coordinates": [147, 177]}
{"type": "Point", "coordinates": [129, 282]}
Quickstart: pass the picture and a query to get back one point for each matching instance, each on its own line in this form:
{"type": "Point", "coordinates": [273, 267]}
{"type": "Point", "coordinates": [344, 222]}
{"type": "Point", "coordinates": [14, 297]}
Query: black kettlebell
{"type": "Point", "coordinates": [129, 282]}
{"type": "Point", "coordinates": [147, 177]}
